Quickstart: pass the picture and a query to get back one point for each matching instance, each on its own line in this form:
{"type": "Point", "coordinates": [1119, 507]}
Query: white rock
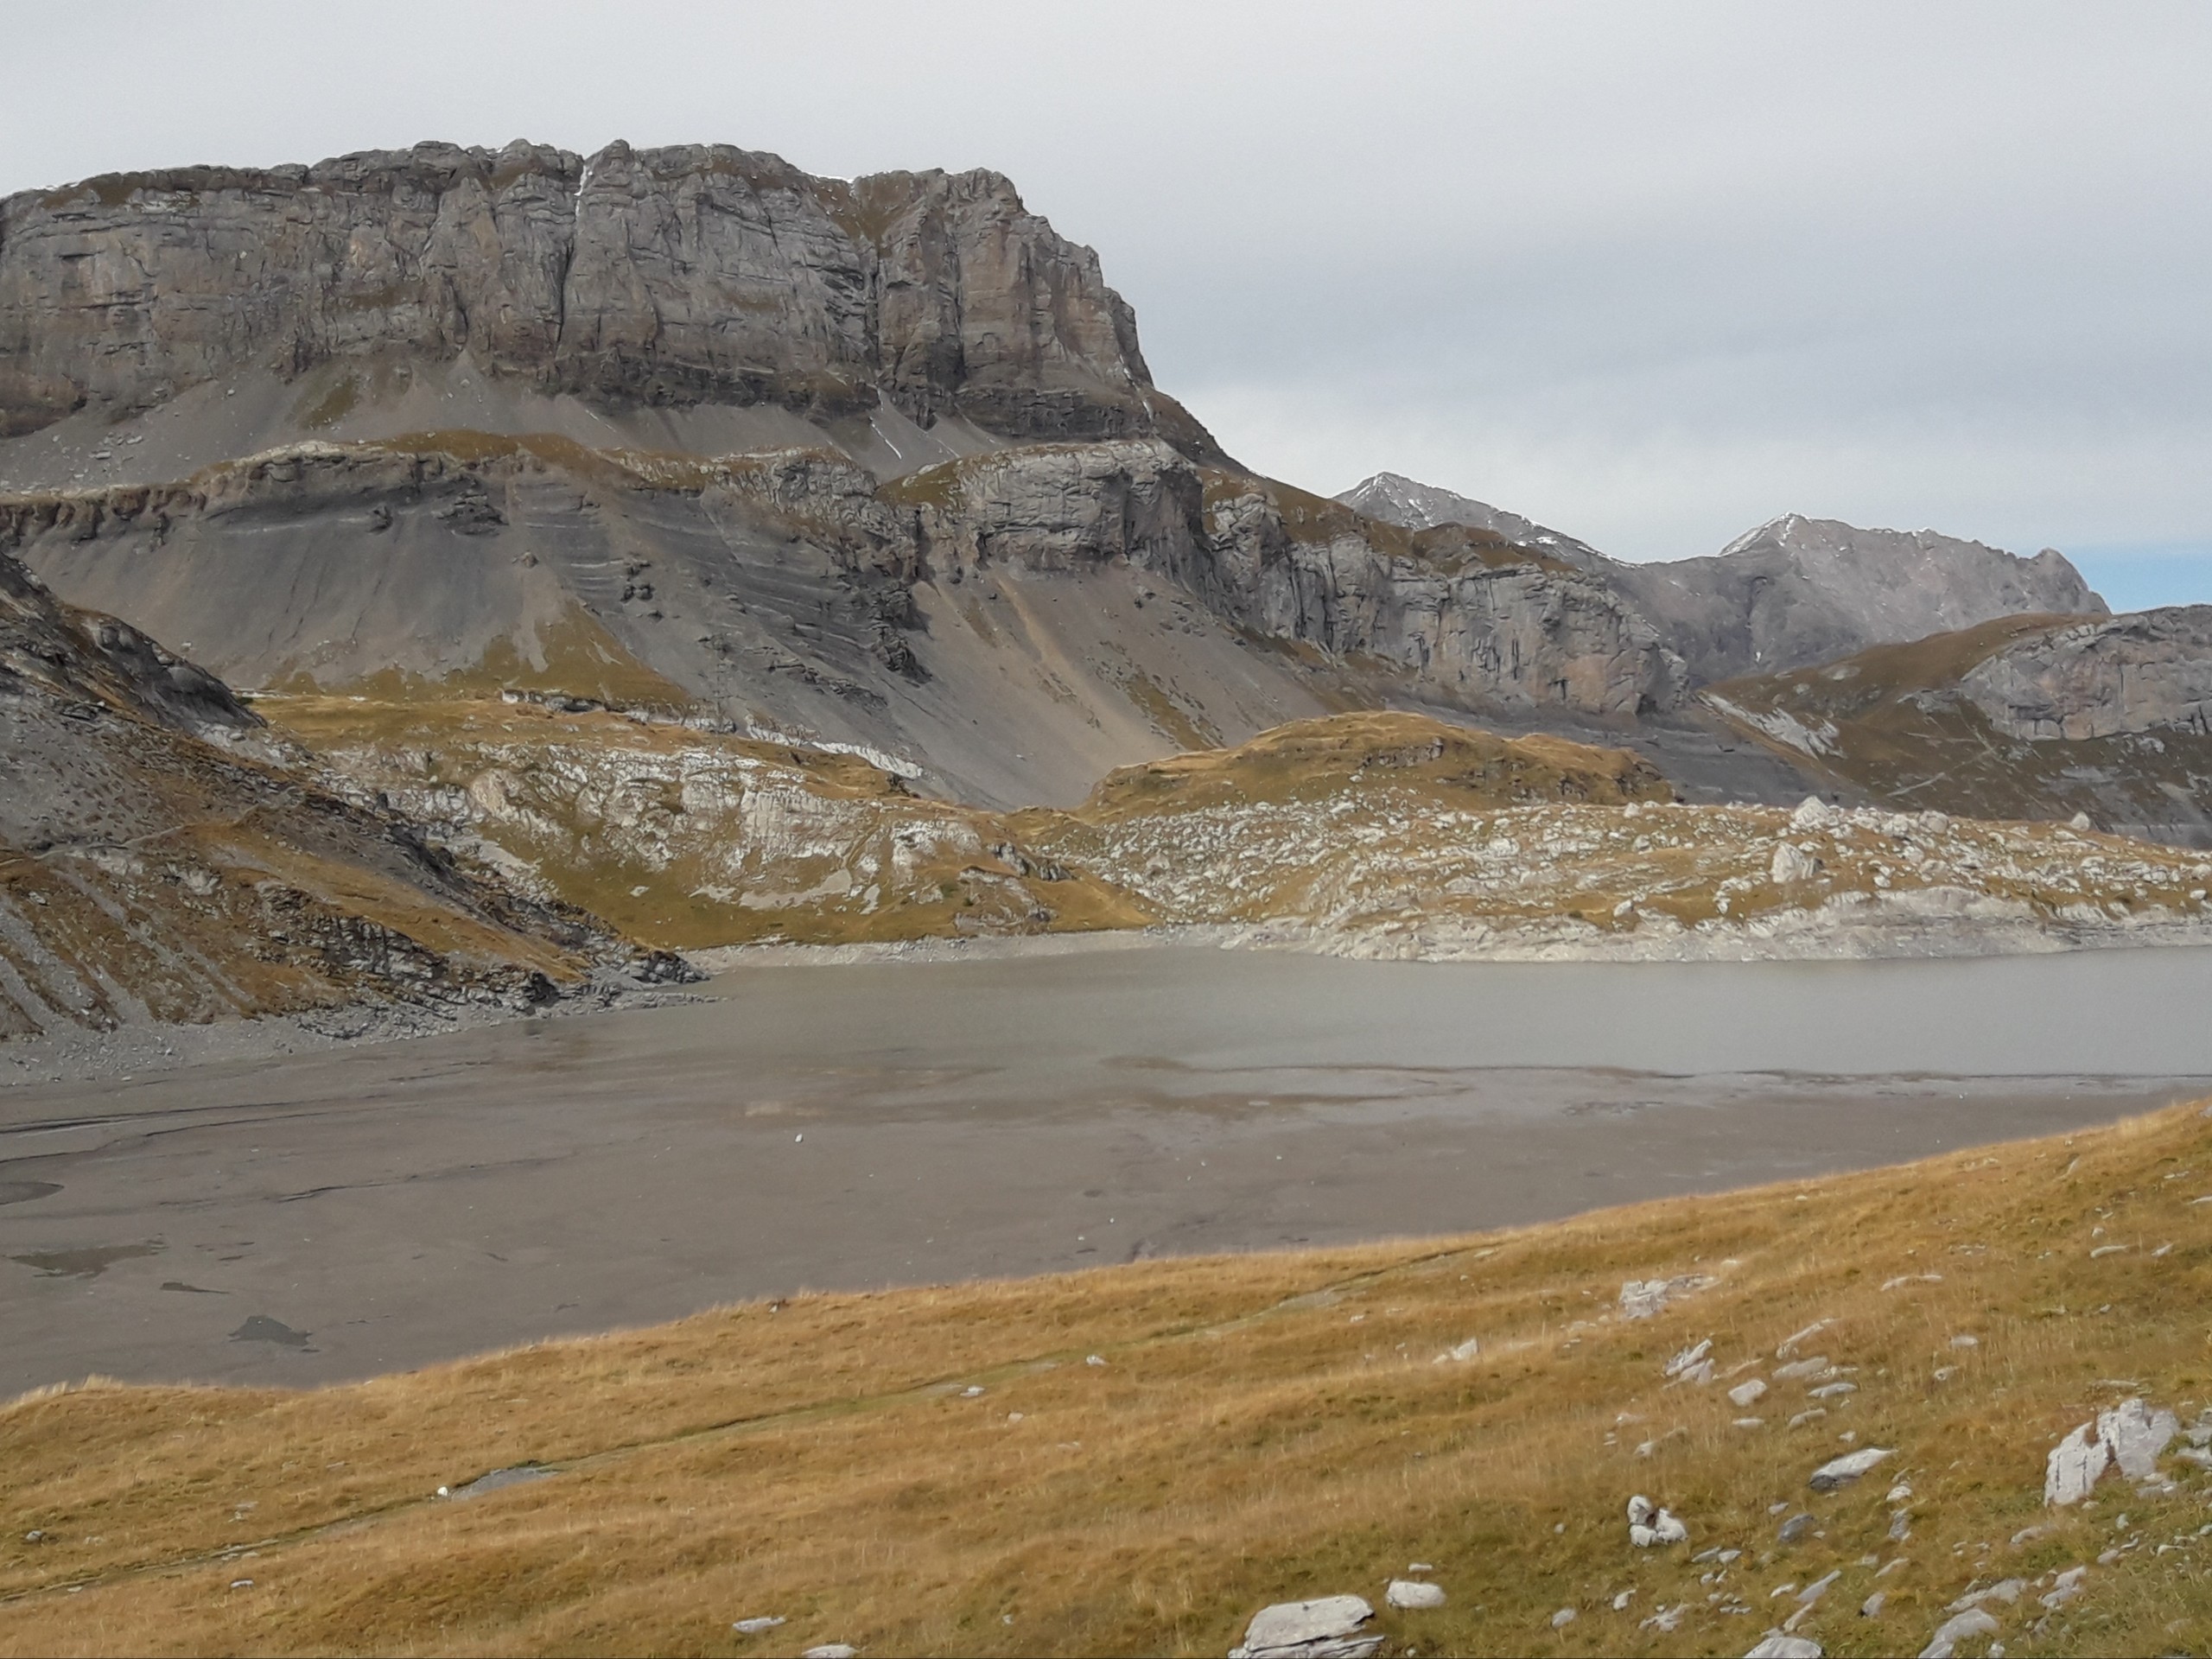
{"type": "Point", "coordinates": [1093, 1359]}
{"type": "Point", "coordinates": [1776, 1645]}
{"type": "Point", "coordinates": [1668, 1528]}
{"type": "Point", "coordinates": [1841, 1471]}
{"type": "Point", "coordinates": [1621, 1601]}
{"type": "Point", "coordinates": [2073, 1465]}
{"type": "Point", "coordinates": [2080, 820]}
{"type": "Point", "coordinates": [1562, 1618]}
{"type": "Point", "coordinates": [832, 1650]}
{"type": "Point", "coordinates": [1872, 1607]}
{"type": "Point", "coordinates": [1642, 1298]}
{"type": "Point", "coordinates": [1639, 1510]}
{"type": "Point", "coordinates": [1951, 1632]}
{"type": "Point", "coordinates": [1667, 1619]}
{"type": "Point", "coordinates": [1640, 1535]}
{"type": "Point", "coordinates": [1789, 1345]}
{"type": "Point", "coordinates": [2008, 1592]}
{"type": "Point", "coordinates": [2137, 1435]}
{"type": "Point", "coordinates": [2068, 1586]}
{"type": "Point", "coordinates": [1791, 864]}
{"type": "Point", "coordinates": [754, 1626]}
{"type": "Point", "coordinates": [1813, 813]}
{"type": "Point", "coordinates": [1461, 1353]}
{"type": "Point", "coordinates": [1802, 1368]}
{"type": "Point", "coordinates": [1743, 1393]}
{"type": "Point", "coordinates": [1689, 1359]}
{"type": "Point", "coordinates": [1326, 1627]}
{"type": "Point", "coordinates": [1412, 1593]}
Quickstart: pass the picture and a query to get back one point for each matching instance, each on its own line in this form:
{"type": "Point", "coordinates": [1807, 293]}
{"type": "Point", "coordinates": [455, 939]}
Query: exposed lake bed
{"type": "Point", "coordinates": [317, 1215]}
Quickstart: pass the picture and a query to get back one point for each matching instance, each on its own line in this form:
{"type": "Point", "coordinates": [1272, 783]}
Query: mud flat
{"type": "Point", "coordinates": [308, 1216]}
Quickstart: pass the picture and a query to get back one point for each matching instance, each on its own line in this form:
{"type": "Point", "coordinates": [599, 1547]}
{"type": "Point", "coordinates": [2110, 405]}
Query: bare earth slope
{"type": "Point", "coordinates": [154, 865]}
{"type": "Point", "coordinates": [2030, 717]}
{"type": "Point", "coordinates": [1137, 1459]}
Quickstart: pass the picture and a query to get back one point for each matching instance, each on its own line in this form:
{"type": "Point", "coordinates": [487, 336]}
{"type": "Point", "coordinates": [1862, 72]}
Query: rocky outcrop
{"type": "Point", "coordinates": [699, 273]}
{"type": "Point", "coordinates": [2143, 672]}
{"type": "Point", "coordinates": [1792, 593]}
{"type": "Point", "coordinates": [1468, 615]}
{"type": "Point", "coordinates": [1800, 591]}
{"type": "Point", "coordinates": [1463, 613]}
{"type": "Point", "coordinates": [153, 866]}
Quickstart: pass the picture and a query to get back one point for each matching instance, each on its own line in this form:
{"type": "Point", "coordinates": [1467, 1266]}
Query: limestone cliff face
{"type": "Point", "coordinates": [2141, 672]}
{"type": "Point", "coordinates": [1465, 615]}
{"type": "Point", "coordinates": [692, 274]}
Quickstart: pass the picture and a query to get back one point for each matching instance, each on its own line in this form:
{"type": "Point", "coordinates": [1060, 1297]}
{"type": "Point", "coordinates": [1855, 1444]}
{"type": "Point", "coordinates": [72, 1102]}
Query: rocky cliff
{"type": "Point", "coordinates": [697, 274]}
{"type": "Point", "coordinates": [1789, 593]}
{"type": "Point", "coordinates": [2148, 671]}
{"type": "Point", "coordinates": [1460, 615]}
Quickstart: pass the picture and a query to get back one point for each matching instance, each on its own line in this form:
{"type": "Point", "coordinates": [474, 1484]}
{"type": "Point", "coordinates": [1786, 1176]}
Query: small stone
{"type": "Point", "coordinates": [1420, 1566]}
{"type": "Point", "coordinates": [754, 1626]}
{"type": "Point", "coordinates": [1832, 1390]}
{"type": "Point", "coordinates": [1964, 1627]}
{"type": "Point", "coordinates": [1964, 1340]}
{"type": "Point", "coordinates": [1666, 1528]}
{"type": "Point", "coordinates": [974, 1390]}
{"type": "Point", "coordinates": [1621, 1601]}
{"type": "Point", "coordinates": [1639, 1510]}
{"type": "Point", "coordinates": [1412, 1593]}
{"type": "Point", "coordinates": [1872, 1607]}
{"type": "Point", "coordinates": [1898, 1493]}
{"type": "Point", "coordinates": [832, 1650]}
{"type": "Point", "coordinates": [1743, 1393]}
{"type": "Point", "coordinates": [1796, 1528]}
{"type": "Point", "coordinates": [1841, 1471]}
{"type": "Point", "coordinates": [1460, 1354]}
{"type": "Point", "coordinates": [1778, 1645]}
{"type": "Point", "coordinates": [1093, 1359]}
{"type": "Point", "coordinates": [1562, 1618]}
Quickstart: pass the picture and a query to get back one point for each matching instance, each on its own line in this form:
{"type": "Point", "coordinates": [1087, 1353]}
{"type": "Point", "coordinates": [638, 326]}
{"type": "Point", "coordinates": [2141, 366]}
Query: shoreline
{"type": "Point", "coordinates": [134, 1051]}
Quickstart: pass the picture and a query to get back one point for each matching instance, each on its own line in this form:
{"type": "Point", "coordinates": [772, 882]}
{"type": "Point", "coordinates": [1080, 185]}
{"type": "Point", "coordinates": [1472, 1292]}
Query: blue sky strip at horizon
{"type": "Point", "coordinates": [1651, 274]}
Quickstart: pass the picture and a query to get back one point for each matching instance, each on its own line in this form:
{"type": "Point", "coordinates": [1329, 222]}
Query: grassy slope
{"type": "Point", "coordinates": [1901, 733]}
{"type": "Point", "coordinates": [1265, 1426]}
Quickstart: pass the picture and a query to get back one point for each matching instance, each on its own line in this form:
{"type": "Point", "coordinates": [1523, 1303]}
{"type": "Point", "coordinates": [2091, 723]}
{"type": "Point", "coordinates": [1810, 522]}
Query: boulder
{"type": "Point", "coordinates": [1326, 1627]}
{"type": "Point", "coordinates": [1841, 1471]}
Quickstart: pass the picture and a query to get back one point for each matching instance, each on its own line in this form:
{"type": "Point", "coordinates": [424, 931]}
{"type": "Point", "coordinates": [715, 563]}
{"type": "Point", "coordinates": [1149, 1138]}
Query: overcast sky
{"type": "Point", "coordinates": [1650, 273]}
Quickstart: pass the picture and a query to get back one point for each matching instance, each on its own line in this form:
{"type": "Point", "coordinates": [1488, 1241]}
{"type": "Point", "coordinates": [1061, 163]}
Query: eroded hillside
{"type": "Point", "coordinates": [159, 860]}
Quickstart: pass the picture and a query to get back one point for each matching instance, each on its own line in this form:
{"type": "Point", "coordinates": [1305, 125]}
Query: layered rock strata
{"type": "Point", "coordinates": [699, 273]}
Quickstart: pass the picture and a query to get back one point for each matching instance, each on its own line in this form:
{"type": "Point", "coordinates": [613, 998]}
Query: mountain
{"type": "Point", "coordinates": [1793, 592]}
{"type": "Point", "coordinates": [1396, 499]}
{"type": "Point", "coordinates": [682, 280]}
{"type": "Point", "coordinates": [1798, 591]}
{"type": "Point", "coordinates": [158, 859]}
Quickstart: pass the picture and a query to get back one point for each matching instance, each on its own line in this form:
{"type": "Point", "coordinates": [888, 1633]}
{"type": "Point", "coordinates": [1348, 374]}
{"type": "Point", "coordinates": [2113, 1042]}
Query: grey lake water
{"type": "Point", "coordinates": [320, 1215]}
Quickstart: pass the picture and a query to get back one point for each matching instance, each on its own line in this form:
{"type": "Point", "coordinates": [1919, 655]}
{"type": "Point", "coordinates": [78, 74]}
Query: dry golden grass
{"type": "Point", "coordinates": [1265, 1426]}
